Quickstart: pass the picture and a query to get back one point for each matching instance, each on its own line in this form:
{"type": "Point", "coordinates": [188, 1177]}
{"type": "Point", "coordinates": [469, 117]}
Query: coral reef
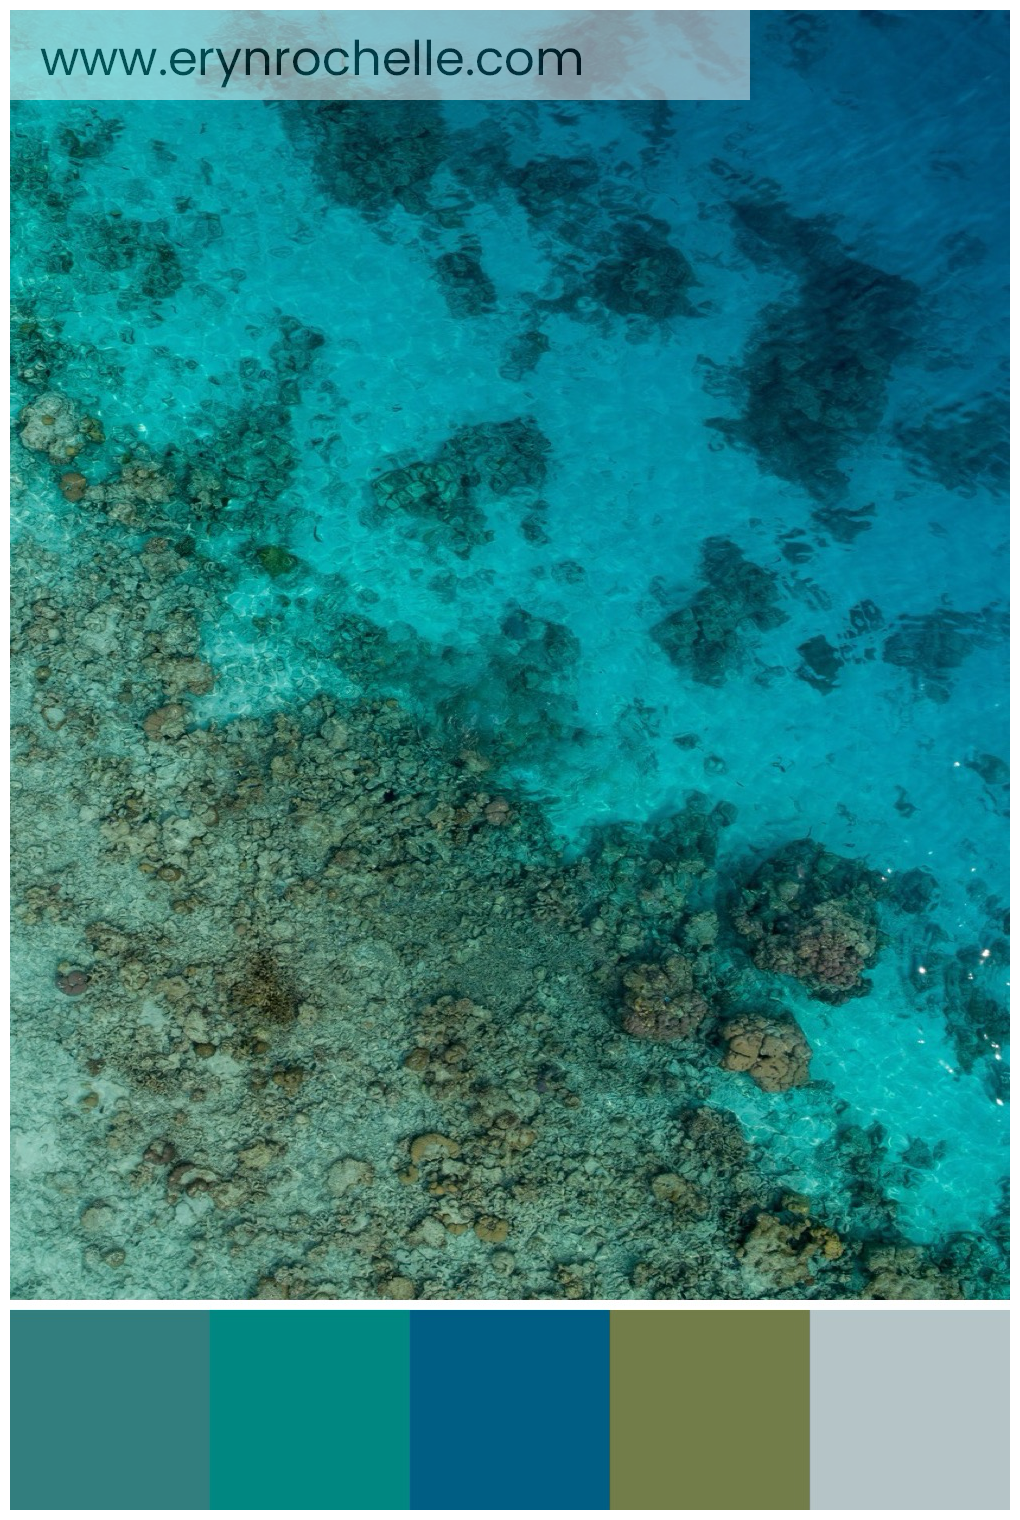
{"type": "Point", "coordinates": [120, 244]}
{"type": "Point", "coordinates": [644, 886]}
{"type": "Point", "coordinates": [661, 1002]}
{"type": "Point", "coordinates": [467, 289]}
{"type": "Point", "coordinates": [371, 155]}
{"type": "Point", "coordinates": [623, 265]}
{"type": "Point", "coordinates": [551, 187]}
{"type": "Point", "coordinates": [812, 915]}
{"type": "Point", "coordinates": [821, 663]}
{"type": "Point", "coordinates": [322, 990]}
{"type": "Point", "coordinates": [977, 1020]}
{"type": "Point", "coordinates": [487, 459]}
{"type": "Point", "coordinates": [707, 637]}
{"type": "Point", "coordinates": [277, 898]}
{"type": "Point", "coordinates": [773, 1051]}
{"type": "Point", "coordinates": [863, 1157]}
{"type": "Point", "coordinates": [524, 353]}
{"type": "Point", "coordinates": [813, 379]}
{"type": "Point", "coordinates": [275, 560]}
{"type": "Point", "coordinates": [285, 902]}
{"type": "Point", "coordinates": [53, 425]}
{"type": "Point", "coordinates": [906, 1272]}
{"type": "Point", "coordinates": [646, 277]}
{"type": "Point", "coordinates": [786, 1248]}
{"type": "Point", "coordinates": [934, 645]}
{"type": "Point", "coordinates": [964, 449]}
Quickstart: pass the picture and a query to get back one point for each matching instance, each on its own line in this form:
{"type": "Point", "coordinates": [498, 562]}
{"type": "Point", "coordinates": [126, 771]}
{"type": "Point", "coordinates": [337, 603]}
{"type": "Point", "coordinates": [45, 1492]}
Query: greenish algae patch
{"type": "Point", "coordinates": [275, 560]}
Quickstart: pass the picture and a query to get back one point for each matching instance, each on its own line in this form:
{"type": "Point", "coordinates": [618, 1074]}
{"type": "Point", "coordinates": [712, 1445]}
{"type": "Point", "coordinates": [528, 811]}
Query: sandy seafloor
{"type": "Point", "coordinates": [350, 815]}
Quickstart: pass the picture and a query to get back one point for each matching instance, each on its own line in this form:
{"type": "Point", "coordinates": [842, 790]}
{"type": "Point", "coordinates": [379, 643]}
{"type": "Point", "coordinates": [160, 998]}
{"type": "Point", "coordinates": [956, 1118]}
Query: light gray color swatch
{"type": "Point", "coordinates": [910, 1409]}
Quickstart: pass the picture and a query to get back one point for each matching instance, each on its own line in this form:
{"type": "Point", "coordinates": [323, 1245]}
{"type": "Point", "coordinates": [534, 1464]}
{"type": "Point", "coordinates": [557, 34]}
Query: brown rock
{"type": "Point", "coordinates": [73, 983]}
{"type": "Point", "coordinates": [166, 722]}
{"type": "Point", "coordinates": [773, 1051]}
{"type": "Point", "coordinates": [73, 485]}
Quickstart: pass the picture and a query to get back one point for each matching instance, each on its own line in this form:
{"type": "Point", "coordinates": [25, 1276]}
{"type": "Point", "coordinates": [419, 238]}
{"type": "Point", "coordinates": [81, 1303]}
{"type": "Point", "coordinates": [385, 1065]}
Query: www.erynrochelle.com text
{"type": "Point", "coordinates": [422, 59]}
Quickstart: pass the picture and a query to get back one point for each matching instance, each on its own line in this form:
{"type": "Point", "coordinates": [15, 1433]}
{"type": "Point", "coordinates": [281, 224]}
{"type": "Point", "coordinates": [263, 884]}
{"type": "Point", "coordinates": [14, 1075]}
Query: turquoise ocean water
{"type": "Point", "coordinates": [818, 379]}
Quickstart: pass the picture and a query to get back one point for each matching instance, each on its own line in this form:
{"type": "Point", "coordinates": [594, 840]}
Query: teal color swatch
{"type": "Point", "coordinates": [310, 1409]}
{"type": "Point", "coordinates": [109, 1409]}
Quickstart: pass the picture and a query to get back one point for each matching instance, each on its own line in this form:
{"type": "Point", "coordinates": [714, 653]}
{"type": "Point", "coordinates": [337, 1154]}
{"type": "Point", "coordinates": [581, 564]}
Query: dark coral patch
{"type": "Point", "coordinates": [964, 449]}
{"type": "Point", "coordinates": [467, 289]}
{"type": "Point", "coordinates": [371, 155]}
{"type": "Point", "coordinates": [646, 277]}
{"type": "Point", "coordinates": [483, 459]}
{"type": "Point", "coordinates": [707, 636]}
{"type": "Point", "coordinates": [812, 915]}
{"type": "Point", "coordinates": [812, 382]}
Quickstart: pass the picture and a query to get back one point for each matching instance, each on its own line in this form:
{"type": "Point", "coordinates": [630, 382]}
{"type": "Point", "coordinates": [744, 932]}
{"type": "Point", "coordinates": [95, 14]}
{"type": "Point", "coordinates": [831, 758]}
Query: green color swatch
{"type": "Point", "coordinates": [109, 1409]}
{"type": "Point", "coordinates": [310, 1409]}
{"type": "Point", "coordinates": [709, 1409]}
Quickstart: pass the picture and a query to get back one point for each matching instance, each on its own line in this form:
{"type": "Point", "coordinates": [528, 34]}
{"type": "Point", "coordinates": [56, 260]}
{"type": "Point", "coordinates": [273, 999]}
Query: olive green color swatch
{"type": "Point", "coordinates": [109, 1409]}
{"type": "Point", "coordinates": [310, 1409]}
{"type": "Point", "coordinates": [709, 1409]}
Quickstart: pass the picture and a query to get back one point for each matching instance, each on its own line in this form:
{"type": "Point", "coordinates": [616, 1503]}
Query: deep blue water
{"type": "Point", "coordinates": [843, 242]}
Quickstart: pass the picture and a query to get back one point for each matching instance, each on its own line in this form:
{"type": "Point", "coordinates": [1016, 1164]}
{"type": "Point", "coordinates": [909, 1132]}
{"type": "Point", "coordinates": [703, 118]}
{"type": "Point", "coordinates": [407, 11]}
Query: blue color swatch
{"type": "Point", "coordinates": [510, 1411]}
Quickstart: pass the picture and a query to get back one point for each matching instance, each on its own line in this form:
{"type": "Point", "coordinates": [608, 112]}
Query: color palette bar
{"type": "Point", "coordinates": [495, 1409]}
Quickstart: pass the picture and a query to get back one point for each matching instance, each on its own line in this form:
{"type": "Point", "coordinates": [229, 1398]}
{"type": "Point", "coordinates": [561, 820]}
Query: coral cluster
{"type": "Point", "coordinates": [933, 645]}
{"type": "Point", "coordinates": [311, 1003]}
{"type": "Point", "coordinates": [120, 244]}
{"type": "Point", "coordinates": [812, 915]}
{"type": "Point", "coordinates": [468, 290]}
{"type": "Point", "coordinates": [53, 425]}
{"type": "Point", "coordinates": [814, 376]}
{"type": "Point", "coordinates": [773, 1051]}
{"type": "Point", "coordinates": [661, 1002]}
{"type": "Point", "coordinates": [341, 1013]}
{"type": "Point", "coordinates": [965, 449]}
{"type": "Point", "coordinates": [486, 459]}
{"type": "Point", "coordinates": [788, 1247]}
{"type": "Point", "coordinates": [646, 277]}
{"type": "Point", "coordinates": [371, 155]}
{"type": "Point", "coordinates": [707, 636]}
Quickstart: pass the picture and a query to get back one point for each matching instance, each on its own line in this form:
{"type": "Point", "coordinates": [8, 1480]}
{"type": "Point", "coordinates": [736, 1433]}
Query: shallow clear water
{"type": "Point", "coordinates": [846, 158]}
